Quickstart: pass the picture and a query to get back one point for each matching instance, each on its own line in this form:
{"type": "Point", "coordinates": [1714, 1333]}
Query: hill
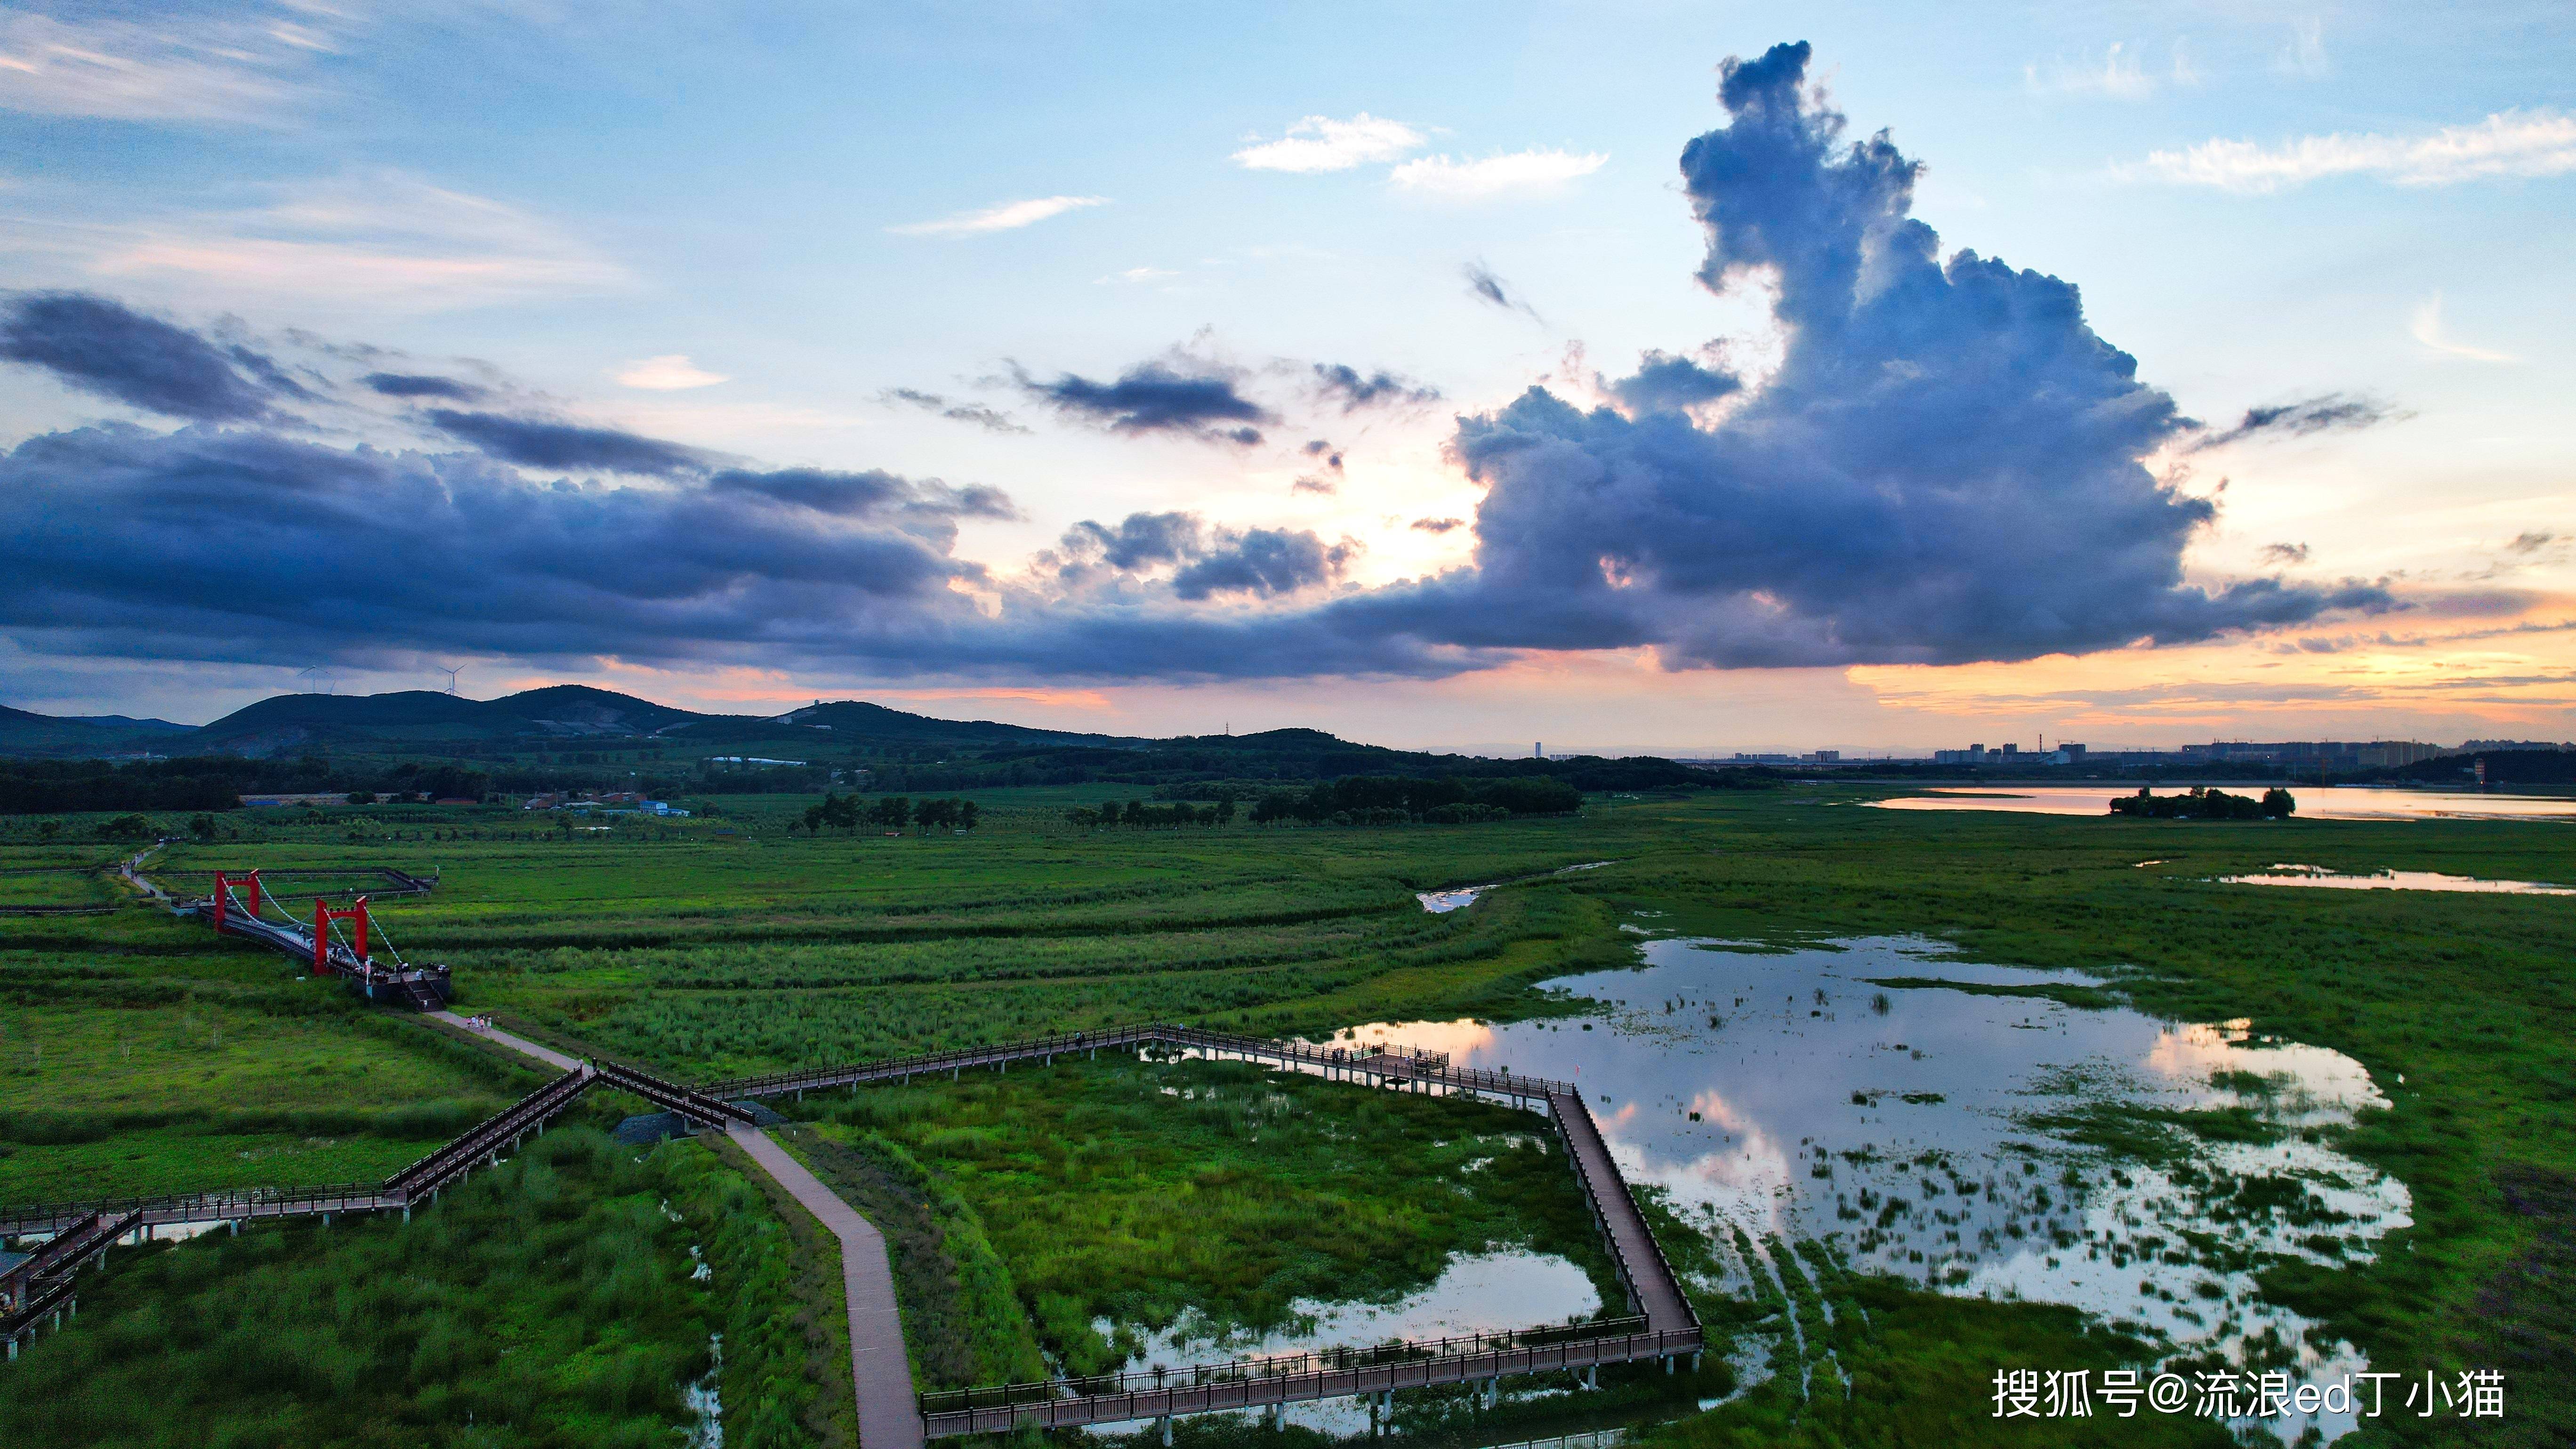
{"type": "Point", "coordinates": [23, 732]}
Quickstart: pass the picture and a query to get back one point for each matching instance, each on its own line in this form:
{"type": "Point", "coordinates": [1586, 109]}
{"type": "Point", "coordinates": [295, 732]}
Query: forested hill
{"type": "Point", "coordinates": [419, 744]}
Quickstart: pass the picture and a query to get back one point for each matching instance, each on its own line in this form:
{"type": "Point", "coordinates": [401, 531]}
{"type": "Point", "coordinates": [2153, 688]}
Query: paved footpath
{"type": "Point", "coordinates": [889, 1417]}
{"type": "Point", "coordinates": [519, 1044]}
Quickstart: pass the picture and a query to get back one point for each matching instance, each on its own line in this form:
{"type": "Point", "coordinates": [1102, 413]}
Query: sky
{"type": "Point", "coordinates": [1686, 378]}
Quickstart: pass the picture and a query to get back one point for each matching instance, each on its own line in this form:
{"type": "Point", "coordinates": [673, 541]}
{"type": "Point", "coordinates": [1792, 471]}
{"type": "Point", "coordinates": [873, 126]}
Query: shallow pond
{"type": "Point", "coordinates": [1475, 1293]}
{"type": "Point", "coordinates": [1931, 1132]}
{"type": "Point", "coordinates": [2395, 880]}
{"type": "Point", "coordinates": [2338, 802]}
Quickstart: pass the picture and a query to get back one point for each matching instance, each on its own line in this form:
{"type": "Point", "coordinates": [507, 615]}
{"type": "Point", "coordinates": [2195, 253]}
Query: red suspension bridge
{"type": "Point", "coordinates": [363, 955]}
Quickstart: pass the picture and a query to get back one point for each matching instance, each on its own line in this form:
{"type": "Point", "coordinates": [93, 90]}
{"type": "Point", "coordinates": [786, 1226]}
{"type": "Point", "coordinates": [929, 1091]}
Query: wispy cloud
{"type": "Point", "coordinates": [2426, 325]}
{"type": "Point", "coordinates": [1538, 171]}
{"type": "Point", "coordinates": [2118, 74]}
{"type": "Point", "coordinates": [2539, 142]}
{"type": "Point", "coordinates": [1137, 276]}
{"type": "Point", "coordinates": [245, 68]}
{"type": "Point", "coordinates": [1320, 143]}
{"type": "Point", "coordinates": [672, 372]}
{"type": "Point", "coordinates": [2304, 53]}
{"type": "Point", "coordinates": [1009, 216]}
{"type": "Point", "coordinates": [385, 239]}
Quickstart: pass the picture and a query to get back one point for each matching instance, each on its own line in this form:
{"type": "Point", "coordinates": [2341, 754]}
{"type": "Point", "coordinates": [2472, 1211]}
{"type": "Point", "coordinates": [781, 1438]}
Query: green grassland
{"type": "Point", "coordinates": [551, 1301]}
{"type": "Point", "coordinates": [708, 955]}
{"type": "Point", "coordinates": [1126, 1194]}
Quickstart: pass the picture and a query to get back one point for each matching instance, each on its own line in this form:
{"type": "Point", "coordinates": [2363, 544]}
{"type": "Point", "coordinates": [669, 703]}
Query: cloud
{"type": "Point", "coordinates": [243, 67]}
{"type": "Point", "coordinates": [1320, 143]}
{"type": "Point", "coordinates": [1374, 389]}
{"type": "Point", "coordinates": [2285, 553]}
{"type": "Point", "coordinates": [2330, 412]}
{"type": "Point", "coordinates": [1206, 560]}
{"type": "Point", "coordinates": [1664, 382]}
{"type": "Point", "coordinates": [1009, 216]}
{"type": "Point", "coordinates": [2538, 142]}
{"type": "Point", "coordinates": [2304, 53]}
{"type": "Point", "coordinates": [1158, 397]}
{"type": "Point", "coordinates": [413, 384]}
{"type": "Point", "coordinates": [1313, 483]}
{"type": "Point", "coordinates": [2426, 326]}
{"type": "Point", "coordinates": [2530, 541]}
{"type": "Point", "coordinates": [1939, 438]}
{"type": "Point", "coordinates": [872, 493]}
{"type": "Point", "coordinates": [1137, 276]}
{"type": "Point", "coordinates": [963, 412]}
{"type": "Point", "coordinates": [384, 241]}
{"type": "Point", "coordinates": [103, 347]}
{"type": "Point", "coordinates": [541, 443]}
{"type": "Point", "coordinates": [1539, 171]}
{"type": "Point", "coordinates": [1438, 525]}
{"type": "Point", "coordinates": [2118, 75]}
{"type": "Point", "coordinates": [1483, 285]}
{"type": "Point", "coordinates": [671, 372]}
{"type": "Point", "coordinates": [307, 552]}
{"type": "Point", "coordinates": [1262, 563]}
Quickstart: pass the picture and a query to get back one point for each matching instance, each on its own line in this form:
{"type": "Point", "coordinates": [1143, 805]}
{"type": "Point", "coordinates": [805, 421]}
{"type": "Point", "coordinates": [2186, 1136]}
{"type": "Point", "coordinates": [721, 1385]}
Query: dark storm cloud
{"type": "Point", "coordinates": [1358, 390]}
{"type": "Point", "coordinates": [2331, 412]}
{"type": "Point", "coordinates": [1664, 382]}
{"type": "Point", "coordinates": [1157, 397]}
{"type": "Point", "coordinates": [417, 384]}
{"type": "Point", "coordinates": [963, 412]}
{"type": "Point", "coordinates": [539, 443]}
{"type": "Point", "coordinates": [103, 347]}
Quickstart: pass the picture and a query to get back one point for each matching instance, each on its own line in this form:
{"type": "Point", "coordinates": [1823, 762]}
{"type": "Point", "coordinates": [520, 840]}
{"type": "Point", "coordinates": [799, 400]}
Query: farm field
{"type": "Point", "coordinates": [139, 1056]}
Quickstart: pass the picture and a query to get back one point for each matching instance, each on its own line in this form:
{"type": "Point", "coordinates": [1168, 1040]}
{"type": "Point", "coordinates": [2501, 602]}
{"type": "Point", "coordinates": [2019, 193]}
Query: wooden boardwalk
{"type": "Point", "coordinates": [1662, 1324]}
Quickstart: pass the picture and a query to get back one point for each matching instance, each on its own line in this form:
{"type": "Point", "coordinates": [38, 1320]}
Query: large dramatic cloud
{"type": "Point", "coordinates": [1947, 465]}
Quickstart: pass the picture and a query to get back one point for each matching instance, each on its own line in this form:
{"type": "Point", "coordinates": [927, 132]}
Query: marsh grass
{"type": "Point", "coordinates": [1113, 1191]}
{"type": "Point", "coordinates": [550, 1301]}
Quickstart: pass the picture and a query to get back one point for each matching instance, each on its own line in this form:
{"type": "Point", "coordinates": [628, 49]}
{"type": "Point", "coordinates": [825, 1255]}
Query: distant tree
{"type": "Point", "coordinates": [362, 797]}
{"type": "Point", "coordinates": [2279, 803]}
{"type": "Point", "coordinates": [1135, 813]}
{"type": "Point", "coordinates": [891, 811]}
{"type": "Point", "coordinates": [967, 811]}
{"type": "Point", "coordinates": [934, 814]}
{"type": "Point", "coordinates": [126, 827]}
{"type": "Point", "coordinates": [1225, 810]}
{"type": "Point", "coordinates": [49, 829]}
{"type": "Point", "coordinates": [202, 826]}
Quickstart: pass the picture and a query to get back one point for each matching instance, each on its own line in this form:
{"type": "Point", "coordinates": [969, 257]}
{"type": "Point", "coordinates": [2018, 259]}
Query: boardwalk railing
{"type": "Point", "coordinates": [1243, 1370]}
{"type": "Point", "coordinates": [1386, 1063]}
{"type": "Point", "coordinates": [485, 1138]}
{"type": "Point", "coordinates": [204, 1207]}
{"type": "Point", "coordinates": [689, 1102]}
{"type": "Point", "coordinates": [1310, 1377]}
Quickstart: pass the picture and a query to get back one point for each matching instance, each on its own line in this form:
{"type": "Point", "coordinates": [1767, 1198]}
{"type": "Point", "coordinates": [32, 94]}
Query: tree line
{"type": "Point", "coordinates": [2200, 803]}
{"type": "Point", "coordinates": [1357, 800]}
{"type": "Point", "coordinates": [891, 812]}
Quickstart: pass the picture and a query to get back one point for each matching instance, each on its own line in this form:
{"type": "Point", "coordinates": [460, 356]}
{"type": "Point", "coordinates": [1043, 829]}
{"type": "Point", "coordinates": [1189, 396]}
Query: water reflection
{"type": "Point", "coordinates": [1475, 1293]}
{"type": "Point", "coordinates": [2337, 802]}
{"type": "Point", "coordinates": [1986, 1144]}
{"type": "Point", "coordinates": [2395, 880]}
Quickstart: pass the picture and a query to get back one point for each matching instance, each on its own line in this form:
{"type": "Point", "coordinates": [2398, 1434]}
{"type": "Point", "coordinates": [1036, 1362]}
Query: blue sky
{"type": "Point", "coordinates": [775, 218]}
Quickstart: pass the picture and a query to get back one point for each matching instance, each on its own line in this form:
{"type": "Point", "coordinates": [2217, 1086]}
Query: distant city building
{"type": "Point", "coordinates": [2323, 754]}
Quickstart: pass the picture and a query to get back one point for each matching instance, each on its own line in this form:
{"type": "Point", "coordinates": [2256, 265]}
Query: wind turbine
{"type": "Point", "coordinates": [315, 680]}
{"type": "Point", "coordinates": [451, 675]}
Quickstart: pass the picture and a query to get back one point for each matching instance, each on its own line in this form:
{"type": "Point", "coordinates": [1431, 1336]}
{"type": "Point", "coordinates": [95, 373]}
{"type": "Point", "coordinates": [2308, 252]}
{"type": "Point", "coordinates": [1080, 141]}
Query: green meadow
{"type": "Point", "coordinates": [138, 1055]}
